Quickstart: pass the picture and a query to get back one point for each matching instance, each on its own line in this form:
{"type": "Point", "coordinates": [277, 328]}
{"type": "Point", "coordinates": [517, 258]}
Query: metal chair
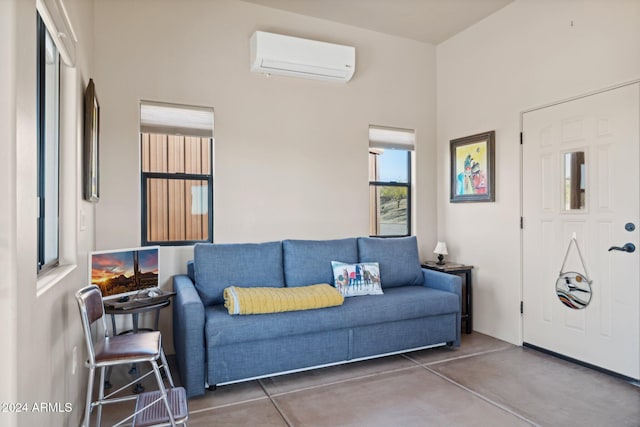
{"type": "Point", "coordinates": [159, 408]}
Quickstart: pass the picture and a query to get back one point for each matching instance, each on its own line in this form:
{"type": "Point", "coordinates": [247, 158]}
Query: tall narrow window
{"type": "Point", "coordinates": [48, 120]}
{"type": "Point", "coordinates": [177, 174]}
{"type": "Point", "coordinates": [390, 181]}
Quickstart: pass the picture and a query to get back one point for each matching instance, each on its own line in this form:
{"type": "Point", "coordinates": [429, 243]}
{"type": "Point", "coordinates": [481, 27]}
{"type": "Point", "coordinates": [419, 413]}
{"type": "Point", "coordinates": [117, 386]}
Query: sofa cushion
{"type": "Point", "coordinates": [406, 302]}
{"type": "Point", "coordinates": [357, 279]}
{"type": "Point", "coordinates": [309, 261]}
{"type": "Point", "coordinates": [398, 258]}
{"type": "Point", "coordinates": [218, 266]}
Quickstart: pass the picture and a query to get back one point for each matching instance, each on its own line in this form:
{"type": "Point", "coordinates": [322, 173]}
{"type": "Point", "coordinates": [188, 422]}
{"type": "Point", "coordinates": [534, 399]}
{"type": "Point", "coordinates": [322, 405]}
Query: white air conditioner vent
{"type": "Point", "coordinates": [296, 57]}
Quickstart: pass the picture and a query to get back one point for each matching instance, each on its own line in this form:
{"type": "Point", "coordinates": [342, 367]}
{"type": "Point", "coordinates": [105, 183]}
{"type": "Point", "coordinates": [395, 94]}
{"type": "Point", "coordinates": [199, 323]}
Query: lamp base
{"type": "Point", "coordinates": [440, 260]}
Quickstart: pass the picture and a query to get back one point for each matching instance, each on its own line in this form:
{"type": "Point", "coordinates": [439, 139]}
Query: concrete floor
{"type": "Point", "coordinates": [485, 382]}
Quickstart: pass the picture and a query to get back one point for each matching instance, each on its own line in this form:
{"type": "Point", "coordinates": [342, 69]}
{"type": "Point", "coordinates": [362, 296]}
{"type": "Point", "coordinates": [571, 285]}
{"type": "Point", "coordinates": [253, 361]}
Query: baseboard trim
{"type": "Point", "coordinates": [582, 363]}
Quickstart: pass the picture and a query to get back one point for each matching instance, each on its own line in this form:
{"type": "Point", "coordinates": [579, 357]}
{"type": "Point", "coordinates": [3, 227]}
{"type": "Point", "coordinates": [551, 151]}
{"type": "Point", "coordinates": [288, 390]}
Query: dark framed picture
{"type": "Point", "coordinates": [472, 168]}
{"type": "Point", "coordinates": [91, 163]}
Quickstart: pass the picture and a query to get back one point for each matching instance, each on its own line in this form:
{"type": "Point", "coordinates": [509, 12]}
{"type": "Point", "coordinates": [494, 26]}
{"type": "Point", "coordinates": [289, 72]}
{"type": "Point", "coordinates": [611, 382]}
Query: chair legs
{"type": "Point", "coordinates": [165, 366]}
{"type": "Point", "coordinates": [162, 394]}
{"type": "Point", "coordinates": [87, 407]}
{"type": "Point", "coordinates": [163, 390]}
{"type": "Point", "coordinates": [100, 396]}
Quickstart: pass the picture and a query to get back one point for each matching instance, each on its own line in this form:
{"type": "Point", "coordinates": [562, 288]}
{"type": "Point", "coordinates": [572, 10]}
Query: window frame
{"type": "Point", "coordinates": [41, 146]}
{"type": "Point", "coordinates": [407, 185]}
{"type": "Point", "coordinates": [144, 179]}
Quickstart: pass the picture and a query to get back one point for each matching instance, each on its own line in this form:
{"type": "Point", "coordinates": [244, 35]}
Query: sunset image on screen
{"type": "Point", "coordinates": [126, 271]}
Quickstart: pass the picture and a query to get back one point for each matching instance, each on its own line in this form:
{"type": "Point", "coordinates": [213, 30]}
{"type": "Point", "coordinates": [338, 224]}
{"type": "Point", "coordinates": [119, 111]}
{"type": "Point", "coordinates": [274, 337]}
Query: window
{"type": "Point", "coordinates": [390, 181]}
{"type": "Point", "coordinates": [48, 123]}
{"type": "Point", "coordinates": [177, 174]}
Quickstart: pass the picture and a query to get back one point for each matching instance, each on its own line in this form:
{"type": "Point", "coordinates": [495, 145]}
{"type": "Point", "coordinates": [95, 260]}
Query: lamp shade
{"type": "Point", "coordinates": [441, 249]}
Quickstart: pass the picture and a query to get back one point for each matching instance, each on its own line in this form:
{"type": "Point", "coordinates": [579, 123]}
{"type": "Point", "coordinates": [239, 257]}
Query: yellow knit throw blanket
{"type": "Point", "coordinates": [273, 300]}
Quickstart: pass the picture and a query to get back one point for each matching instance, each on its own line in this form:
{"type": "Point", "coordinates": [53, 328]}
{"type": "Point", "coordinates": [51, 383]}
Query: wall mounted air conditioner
{"type": "Point", "coordinates": [293, 56]}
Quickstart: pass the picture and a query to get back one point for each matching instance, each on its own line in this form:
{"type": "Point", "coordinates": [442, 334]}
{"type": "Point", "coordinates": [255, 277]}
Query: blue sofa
{"type": "Point", "coordinates": [420, 308]}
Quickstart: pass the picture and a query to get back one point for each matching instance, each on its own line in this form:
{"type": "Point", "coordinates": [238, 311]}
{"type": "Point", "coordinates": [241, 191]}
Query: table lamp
{"type": "Point", "coordinates": [441, 250]}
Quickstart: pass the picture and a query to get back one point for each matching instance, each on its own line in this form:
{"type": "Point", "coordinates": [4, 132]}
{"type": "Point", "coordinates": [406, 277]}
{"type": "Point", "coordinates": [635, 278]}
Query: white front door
{"type": "Point", "coordinates": [580, 167]}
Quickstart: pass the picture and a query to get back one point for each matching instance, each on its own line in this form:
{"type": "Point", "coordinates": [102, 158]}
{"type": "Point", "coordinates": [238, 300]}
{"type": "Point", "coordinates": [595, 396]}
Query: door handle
{"type": "Point", "coordinates": [628, 247]}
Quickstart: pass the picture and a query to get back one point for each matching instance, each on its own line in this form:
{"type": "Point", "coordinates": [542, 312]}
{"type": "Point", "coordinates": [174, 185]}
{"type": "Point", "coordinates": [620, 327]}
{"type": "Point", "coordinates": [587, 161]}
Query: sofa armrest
{"type": "Point", "coordinates": [450, 283]}
{"type": "Point", "coordinates": [188, 335]}
{"type": "Point", "coordinates": [443, 281]}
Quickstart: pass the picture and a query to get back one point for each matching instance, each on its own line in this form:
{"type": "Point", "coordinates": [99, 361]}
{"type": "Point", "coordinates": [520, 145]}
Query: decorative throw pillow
{"type": "Point", "coordinates": [357, 279]}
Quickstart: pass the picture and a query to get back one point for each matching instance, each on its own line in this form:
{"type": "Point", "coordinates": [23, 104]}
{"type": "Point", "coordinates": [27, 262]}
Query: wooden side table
{"type": "Point", "coordinates": [460, 270]}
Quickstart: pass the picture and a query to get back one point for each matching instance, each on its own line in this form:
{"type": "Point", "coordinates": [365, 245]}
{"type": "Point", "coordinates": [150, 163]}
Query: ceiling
{"type": "Point", "coordinates": [430, 21]}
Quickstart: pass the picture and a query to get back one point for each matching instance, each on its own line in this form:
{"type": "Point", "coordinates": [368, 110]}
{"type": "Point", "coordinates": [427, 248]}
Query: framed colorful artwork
{"type": "Point", "coordinates": [472, 168]}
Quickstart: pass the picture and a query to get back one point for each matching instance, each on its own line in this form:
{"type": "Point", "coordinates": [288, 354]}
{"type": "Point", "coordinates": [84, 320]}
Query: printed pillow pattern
{"type": "Point", "coordinates": [357, 279]}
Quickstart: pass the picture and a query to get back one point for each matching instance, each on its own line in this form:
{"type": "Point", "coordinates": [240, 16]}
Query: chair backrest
{"type": "Point", "coordinates": [91, 309]}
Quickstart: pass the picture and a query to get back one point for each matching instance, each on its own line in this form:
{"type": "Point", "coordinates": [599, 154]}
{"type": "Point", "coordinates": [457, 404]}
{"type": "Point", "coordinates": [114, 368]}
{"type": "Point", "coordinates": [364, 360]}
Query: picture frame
{"type": "Point", "coordinates": [91, 149]}
{"type": "Point", "coordinates": [473, 168]}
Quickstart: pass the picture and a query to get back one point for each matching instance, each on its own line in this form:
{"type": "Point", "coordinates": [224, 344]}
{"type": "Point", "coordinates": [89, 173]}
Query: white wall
{"type": "Point", "coordinates": [290, 154]}
{"type": "Point", "coordinates": [8, 306]}
{"type": "Point", "coordinates": [41, 327]}
{"type": "Point", "coordinates": [528, 54]}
